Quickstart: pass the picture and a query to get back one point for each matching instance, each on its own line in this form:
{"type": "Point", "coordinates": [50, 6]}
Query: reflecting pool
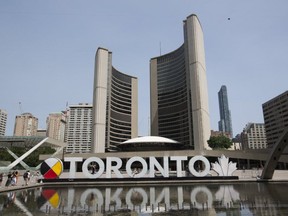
{"type": "Point", "coordinates": [193, 199]}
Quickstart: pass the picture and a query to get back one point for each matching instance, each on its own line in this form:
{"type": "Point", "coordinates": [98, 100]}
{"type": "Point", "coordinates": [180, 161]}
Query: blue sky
{"type": "Point", "coordinates": [47, 51]}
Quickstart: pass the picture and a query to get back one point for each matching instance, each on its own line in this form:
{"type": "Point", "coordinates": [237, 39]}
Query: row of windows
{"type": "Point", "coordinates": [120, 109]}
{"type": "Point", "coordinates": [120, 127]}
{"type": "Point", "coordinates": [172, 98]}
{"type": "Point", "coordinates": [76, 135]}
{"type": "Point", "coordinates": [170, 86]}
{"type": "Point", "coordinates": [173, 116]}
{"type": "Point", "coordinates": [121, 85]}
{"type": "Point", "coordinates": [276, 102]}
{"type": "Point", "coordinates": [176, 54]}
{"type": "Point", "coordinates": [170, 95]}
{"type": "Point", "coordinates": [183, 137]}
{"type": "Point", "coordinates": [167, 70]}
{"type": "Point", "coordinates": [172, 103]}
{"type": "Point", "coordinates": [166, 123]}
{"type": "Point", "coordinates": [78, 126]}
{"type": "Point", "coordinates": [121, 91]}
{"type": "Point", "coordinates": [115, 131]}
{"type": "Point", "coordinates": [119, 100]}
{"type": "Point", "coordinates": [81, 112]}
{"type": "Point", "coordinates": [171, 71]}
{"type": "Point", "coordinates": [76, 118]}
{"type": "Point", "coordinates": [81, 142]}
{"type": "Point", "coordinates": [116, 139]}
{"type": "Point", "coordinates": [120, 123]}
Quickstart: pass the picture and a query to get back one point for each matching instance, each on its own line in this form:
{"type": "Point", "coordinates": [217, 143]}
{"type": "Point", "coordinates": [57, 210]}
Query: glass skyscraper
{"type": "Point", "coordinates": [225, 123]}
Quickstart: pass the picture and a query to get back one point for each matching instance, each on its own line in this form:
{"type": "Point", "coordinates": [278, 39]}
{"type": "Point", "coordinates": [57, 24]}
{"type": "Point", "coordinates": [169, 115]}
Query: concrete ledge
{"type": "Point", "coordinates": [240, 177]}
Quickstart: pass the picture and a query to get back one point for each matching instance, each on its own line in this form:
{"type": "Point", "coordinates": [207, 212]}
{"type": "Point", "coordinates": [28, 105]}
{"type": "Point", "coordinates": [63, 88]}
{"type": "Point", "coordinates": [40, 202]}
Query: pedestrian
{"type": "Point", "coordinates": [37, 176]}
{"type": "Point", "coordinates": [14, 178]}
{"type": "Point", "coordinates": [93, 169]}
{"type": "Point", "coordinates": [9, 179]}
{"type": "Point", "coordinates": [1, 179]}
{"type": "Point", "coordinates": [26, 177]}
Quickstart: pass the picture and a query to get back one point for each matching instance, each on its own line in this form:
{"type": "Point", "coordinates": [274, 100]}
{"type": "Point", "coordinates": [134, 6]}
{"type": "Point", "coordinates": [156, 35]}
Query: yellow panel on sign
{"type": "Point", "coordinates": [54, 200]}
{"type": "Point", "coordinates": [57, 168]}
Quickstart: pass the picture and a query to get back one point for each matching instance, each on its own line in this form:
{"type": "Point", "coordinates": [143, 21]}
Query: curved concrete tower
{"type": "Point", "coordinates": [179, 94]}
{"type": "Point", "coordinates": [115, 105]}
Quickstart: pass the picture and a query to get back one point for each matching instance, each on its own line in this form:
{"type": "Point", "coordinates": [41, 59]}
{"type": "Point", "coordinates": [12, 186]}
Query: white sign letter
{"type": "Point", "coordinates": [154, 163]}
{"type": "Point", "coordinates": [87, 162]}
{"type": "Point", "coordinates": [136, 174]}
{"type": "Point", "coordinates": [115, 168]}
{"type": "Point", "coordinates": [206, 163]}
{"type": "Point", "coordinates": [72, 161]}
{"type": "Point", "coordinates": [178, 160]}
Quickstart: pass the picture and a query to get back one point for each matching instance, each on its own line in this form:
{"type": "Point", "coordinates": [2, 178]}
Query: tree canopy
{"type": "Point", "coordinates": [219, 142]}
{"type": "Point", "coordinates": [32, 160]}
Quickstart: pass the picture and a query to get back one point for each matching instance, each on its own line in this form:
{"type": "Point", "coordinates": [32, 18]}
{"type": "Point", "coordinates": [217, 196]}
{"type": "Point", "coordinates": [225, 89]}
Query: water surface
{"type": "Point", "coordinates": [193, 199]}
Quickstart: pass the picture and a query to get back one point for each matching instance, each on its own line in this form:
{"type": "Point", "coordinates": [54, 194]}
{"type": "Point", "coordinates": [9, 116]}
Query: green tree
{"type": "Point", "coordinates": [32, 160]}
{"type": "Point", "coordinates": [219, 142]}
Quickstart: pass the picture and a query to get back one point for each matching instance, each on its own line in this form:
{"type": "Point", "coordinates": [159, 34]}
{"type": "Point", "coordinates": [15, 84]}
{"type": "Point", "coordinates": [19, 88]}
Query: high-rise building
{"type": "Point", "coordinates": [254, 136]}
{"type": "Point", "coordinates": [275, 113]}
{"type": "Point", "coordinates": [115, 104]}
{"type": "Point", "coordinates": [41, 132]}
{"type": "Point", "coordinates": [179, 94]}
{"type": "Point", "coordinates": [79, 125]}
{"type": "Point", "coordinates": [3, 122]}
{"type": "Point", "coordinates": [25, 125]}
{"type": "Point", "coordinates": [56, 123]}
{"type": "Point", "coordinates": [225, 123]}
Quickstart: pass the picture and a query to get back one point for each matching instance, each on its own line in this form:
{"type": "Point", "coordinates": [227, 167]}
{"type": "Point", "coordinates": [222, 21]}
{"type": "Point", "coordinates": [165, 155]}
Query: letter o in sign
{"type": "Point", "coordinates": [196, 173]}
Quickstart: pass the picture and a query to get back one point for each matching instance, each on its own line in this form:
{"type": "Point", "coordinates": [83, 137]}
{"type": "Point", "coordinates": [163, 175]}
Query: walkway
{"type": "Point", "coordinates": [20, 184]}
{"type": "Point", "coordinates": [244, 176]}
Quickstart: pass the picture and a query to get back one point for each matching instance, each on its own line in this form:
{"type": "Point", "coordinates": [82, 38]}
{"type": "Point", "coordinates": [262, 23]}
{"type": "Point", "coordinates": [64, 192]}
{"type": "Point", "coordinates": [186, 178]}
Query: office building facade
{"type": "Point", "coordinates": [254, 136]}
{"type": "Point", "coordinates": [115, 104]}
{"type": "Point", "coordinates": [79, 128]}
{"type": "Point", "coordinates": [56, 123]}
{"type": "Point", "coordinates": [275, 112]}
{"type": "Point", "coordinates": [179, 94]}
{"type": "Point", "coordinates": [3, 122]}
{"type": "Point", "coordinates": [225, 123]}
{"type": "Point", "coordinates": [25, 125]}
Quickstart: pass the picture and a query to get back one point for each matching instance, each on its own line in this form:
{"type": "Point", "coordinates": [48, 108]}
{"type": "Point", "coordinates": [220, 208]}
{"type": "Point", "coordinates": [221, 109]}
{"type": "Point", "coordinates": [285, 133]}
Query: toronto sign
{"type": "Point", "coordinates": [53, 167]}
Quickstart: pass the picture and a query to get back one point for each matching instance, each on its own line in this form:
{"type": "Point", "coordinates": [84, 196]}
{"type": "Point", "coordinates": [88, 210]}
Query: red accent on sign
{"type": "Point", "coordinates": [50, 174]}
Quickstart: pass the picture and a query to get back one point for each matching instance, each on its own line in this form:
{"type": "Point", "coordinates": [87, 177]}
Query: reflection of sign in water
{"type": "Point", "coordinates": [52, 197]}
{"type": "Point", "coordinates": [223, 168]}
{"type": "Point", "coordinates": [151, 199]}
{"type": "Point", "coordinates": [227, 194]}
{"type": "Point", "coordinates": [51, 168]}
